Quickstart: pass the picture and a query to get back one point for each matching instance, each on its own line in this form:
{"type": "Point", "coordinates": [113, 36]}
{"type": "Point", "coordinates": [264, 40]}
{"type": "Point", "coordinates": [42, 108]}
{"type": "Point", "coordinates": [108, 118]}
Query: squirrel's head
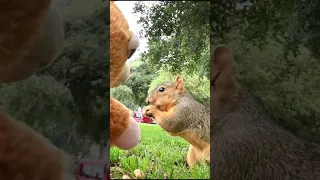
{"type": "Point", "coordinates": [165, 96]}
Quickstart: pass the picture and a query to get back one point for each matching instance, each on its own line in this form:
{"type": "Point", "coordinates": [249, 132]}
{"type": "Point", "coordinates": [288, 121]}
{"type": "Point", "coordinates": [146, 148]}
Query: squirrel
{"type": "Point", "coordinates": [248, 144]}
{"type": "Point", "coordinates": [178, 113]}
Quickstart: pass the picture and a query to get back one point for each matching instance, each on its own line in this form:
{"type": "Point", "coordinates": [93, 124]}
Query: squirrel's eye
{"type": "Point", "coordinates": [161, 89]}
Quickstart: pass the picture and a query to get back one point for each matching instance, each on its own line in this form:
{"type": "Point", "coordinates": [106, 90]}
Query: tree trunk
{"type": "Point", "coordinates": [104, 150]}
{"type": "Point", "coordinates": [100, 151]}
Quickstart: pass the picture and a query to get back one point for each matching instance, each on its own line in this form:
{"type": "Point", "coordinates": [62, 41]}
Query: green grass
{"type": "Point", "coordinates": [156, 155]}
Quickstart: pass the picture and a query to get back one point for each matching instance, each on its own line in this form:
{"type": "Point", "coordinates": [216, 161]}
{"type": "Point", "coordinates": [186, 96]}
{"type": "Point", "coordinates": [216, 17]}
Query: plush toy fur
{"type": "Point", "coordinates": [124, 76]}
{"type": "Point", "coordinates": [124, 130]}
{"type": "Point", "coordinates": [24, 154]}
{"type": "Point", "coordinates": [31, 36]}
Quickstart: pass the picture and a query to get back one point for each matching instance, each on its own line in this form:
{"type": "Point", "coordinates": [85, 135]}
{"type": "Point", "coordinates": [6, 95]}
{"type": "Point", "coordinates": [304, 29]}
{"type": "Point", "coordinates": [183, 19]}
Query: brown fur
{"type": "Point", "coordinates": [120, 36]}
{"type": "Point", "coordinates": [120, 122]}
{"type": "Point", "coordinates": [120, 33]}
{"type": "Point", "coordinates": [26, 44]}
{"type": "Point", "coordinates": [24, 154]}
{"type": "Point", "coordinates": [177, 112]}
{"type": "Point", "coordinates": [246, 143]}
{"type": "Point", "coordinates": [20, 28]}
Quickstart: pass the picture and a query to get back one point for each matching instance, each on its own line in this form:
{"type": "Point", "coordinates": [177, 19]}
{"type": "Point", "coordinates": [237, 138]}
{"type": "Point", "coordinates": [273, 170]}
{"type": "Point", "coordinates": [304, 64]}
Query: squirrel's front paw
{"type": "Point", "coordinates": [148, 111]}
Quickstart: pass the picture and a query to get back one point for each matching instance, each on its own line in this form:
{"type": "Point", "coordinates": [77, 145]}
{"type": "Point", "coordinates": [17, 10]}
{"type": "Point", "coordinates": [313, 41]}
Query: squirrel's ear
{"type": "Point", "coordinates": [178, 84]}
{"type": "Point", "coordinates": [221, 57]}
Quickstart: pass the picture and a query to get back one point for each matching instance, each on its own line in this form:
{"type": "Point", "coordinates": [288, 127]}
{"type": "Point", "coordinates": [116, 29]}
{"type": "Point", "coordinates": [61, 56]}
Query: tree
{"type": "Point", "coordinates": [142, 73]}
{"type": "Point", "coordinates": [292, 22]}
{"type": "Point", "coordinates": [45, 105]}
{"type": "Point", "coordinates": [123, 94]}
{"type": "Point", "coordinates": [83, 68]}
{"type": "Point", "coordinates": [173, 42]}
{"type": "Point", "coordinates": [269, 43]}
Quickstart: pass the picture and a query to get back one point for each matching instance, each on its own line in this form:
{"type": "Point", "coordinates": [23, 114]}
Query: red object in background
{"type": "Point", "coordinates": [92, 169]}
{"type": "Point", "coordinates": [140, 117]}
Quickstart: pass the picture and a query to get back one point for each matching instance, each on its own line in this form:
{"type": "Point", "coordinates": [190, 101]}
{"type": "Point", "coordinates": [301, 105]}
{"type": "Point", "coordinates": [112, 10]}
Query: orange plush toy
{"type": "Point", "coordinates": [31, 37]}
{"type": "Point", "coordinates": [124, 130]}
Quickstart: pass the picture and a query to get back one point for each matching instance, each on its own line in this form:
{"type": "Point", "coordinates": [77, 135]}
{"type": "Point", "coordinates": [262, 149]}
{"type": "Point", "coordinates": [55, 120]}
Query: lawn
{"type": "Point", "coordinates": [157, 156]}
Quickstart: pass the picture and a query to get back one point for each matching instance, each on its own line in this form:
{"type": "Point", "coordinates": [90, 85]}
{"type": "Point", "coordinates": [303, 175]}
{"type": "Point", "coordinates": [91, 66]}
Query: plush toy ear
{"type": "Point", "coordinates": [178, 84]}
{"type": "Point", "coordinates": [221, 57]}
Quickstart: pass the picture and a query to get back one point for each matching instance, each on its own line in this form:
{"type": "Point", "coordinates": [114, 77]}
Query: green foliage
{"type": "Point", "coordinates": [44, 95]}
{"type": "Point", "coordinates": [275, 46]}
{"type": "Point", "coordinates": [156, 155]}
{"type": "Point", "coordinates": [306, 25]}
{"type": "Point", "coordinates": [292, 22]}
{"type": "Point", "coordinates": [83, 68]}
{"type": "Point", "coordinates": [125, 95]}
{"type": "Point", "coordinates": [178, 35]}
{"type": "Point", "coordinates": [174, 47]}
{"type": "Point", "coordinates": [134, 92]}
{"type": "Point", "coordinates": [198, 86]}
{"type": "Point", "coordinates": [45, 105]}
{"type": "Point", "coordinates": [72, 10]}
{"type": "Point", "coordinates": [286, 83]}
{"type": "Point", "coordinates": [142, 73]}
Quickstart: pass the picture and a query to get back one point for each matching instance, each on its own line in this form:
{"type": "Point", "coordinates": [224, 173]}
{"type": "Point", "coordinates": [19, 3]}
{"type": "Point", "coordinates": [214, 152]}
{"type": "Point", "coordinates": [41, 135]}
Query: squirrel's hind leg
{"type": "Point", "coordinates": [191, 157]}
